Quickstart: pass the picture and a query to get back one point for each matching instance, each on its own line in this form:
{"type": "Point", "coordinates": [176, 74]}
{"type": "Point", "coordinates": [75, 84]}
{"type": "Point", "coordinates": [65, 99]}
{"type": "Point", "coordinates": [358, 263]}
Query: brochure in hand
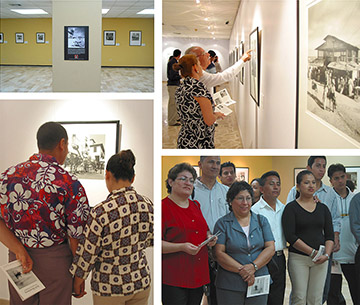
{"type": "Point", "coordinates": [320, 252]}
{"type": "Point", "coordinates": [25, 284]}
{"type": "Point", "coordinates": [260, 287]}
{"type": "Point", "coordinates": [222, 100]}
{"type": "Point", "coordinates": [212, 237]}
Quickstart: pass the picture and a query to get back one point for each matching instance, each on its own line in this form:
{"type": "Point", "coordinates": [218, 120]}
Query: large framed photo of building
{"type": "Point", "coordinates": [109, 38]}
{"type": "Point", "coordinates": [255, 65]}
{"type": "Point", "coordinates": [76, 42]}
{"type": "Point", "coordinates": [135, 38]}
{"type": "Point", "coordinates": [328, 93]}
{"type": "Point", "coordinates": [91, 144]}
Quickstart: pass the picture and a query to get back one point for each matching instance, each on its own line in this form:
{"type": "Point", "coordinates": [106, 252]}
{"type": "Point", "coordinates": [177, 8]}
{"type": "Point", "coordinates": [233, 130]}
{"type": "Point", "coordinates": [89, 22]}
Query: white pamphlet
{"type": "Point", "coordinates": [212, 237]}
{"type": "Point", "coordinates": [261, 286]}
{"type": "Point", "coordinates": [25, 284]}
{"type": "Point", "coordinates": [223, 109]}
{"type": "Point", "coordinates": [335, 267]}
{"type": "Point", "coordinates": [223, 97]}
{"type": "Point", "coordinates": [320, 252]}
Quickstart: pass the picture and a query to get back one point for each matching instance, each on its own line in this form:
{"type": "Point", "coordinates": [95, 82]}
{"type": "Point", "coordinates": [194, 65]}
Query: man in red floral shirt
{"type": "Point", "coordinates": [43, 211]}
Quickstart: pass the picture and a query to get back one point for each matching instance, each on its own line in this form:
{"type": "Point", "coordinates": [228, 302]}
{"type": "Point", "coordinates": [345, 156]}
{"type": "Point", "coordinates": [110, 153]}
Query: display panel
{"type": "Point", "coordinates": [76, 42]}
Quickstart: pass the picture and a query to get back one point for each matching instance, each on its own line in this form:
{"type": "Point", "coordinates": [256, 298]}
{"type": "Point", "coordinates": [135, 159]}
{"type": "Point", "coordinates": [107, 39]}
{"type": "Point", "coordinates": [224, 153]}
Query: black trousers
{"type": "Point", "coordinates": [277, 270]}
{"type": "Point", "coordinates": [172, 295]}
{"type": "Point", "coordinates": [335, 296]}
{"type": "Point", "coordinates": [357, 271]}
{"type": "Point", "coordinates": [211, 291]}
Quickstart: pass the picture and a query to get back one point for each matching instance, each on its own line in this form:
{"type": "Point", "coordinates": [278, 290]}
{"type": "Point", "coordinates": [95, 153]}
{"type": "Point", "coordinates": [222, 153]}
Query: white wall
{"type": "Point", "coordinates": [18, 141]}
{"type": "Point", "coordinates": [220, 46]}
{"type": "Point", "coordinates": [272, 125]}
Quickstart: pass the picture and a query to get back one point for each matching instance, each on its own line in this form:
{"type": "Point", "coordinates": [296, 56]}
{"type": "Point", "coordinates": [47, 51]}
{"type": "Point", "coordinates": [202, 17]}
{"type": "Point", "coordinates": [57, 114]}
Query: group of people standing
{"type": "Point", "coordinates": [46, 223]}
{"type": "Point", "coordinates": [190, 95]}
{"type": "Point", "coordinates": [319, 225]}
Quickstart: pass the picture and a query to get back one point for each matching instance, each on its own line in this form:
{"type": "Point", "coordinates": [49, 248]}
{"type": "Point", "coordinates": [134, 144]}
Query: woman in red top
{"type": "Point", "coordinates": [184, 265]}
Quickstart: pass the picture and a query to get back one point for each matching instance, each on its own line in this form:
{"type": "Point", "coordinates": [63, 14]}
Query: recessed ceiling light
{"type": "Point", "coordinates": [148, 11]}
{"type": "Point", "coordinates": [206, 19]}
{"type": "Point", "coordinates": [30, 11]}
{"type": "Point", "coordinates": [105, 10]}
{"type": "Point", "coordinates": [197, 1]}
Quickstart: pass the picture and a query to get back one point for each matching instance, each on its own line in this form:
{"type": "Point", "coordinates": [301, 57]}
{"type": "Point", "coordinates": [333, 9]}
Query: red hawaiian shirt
{"type": "Point", "coordinates": [42, 203]}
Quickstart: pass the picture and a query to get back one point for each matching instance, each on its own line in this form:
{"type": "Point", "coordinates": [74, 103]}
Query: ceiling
{"type": "Point", "coordinates": [186, 18]}
{"type": "Point", "coordinates": [118, 8]}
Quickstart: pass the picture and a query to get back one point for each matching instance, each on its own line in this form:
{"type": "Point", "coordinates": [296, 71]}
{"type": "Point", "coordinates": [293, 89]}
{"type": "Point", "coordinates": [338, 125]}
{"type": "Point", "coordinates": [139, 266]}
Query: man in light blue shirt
{"type": "Point", "coordinates": [270, 206]}
{"type": "Point", "coordinates": [341, 196]}
{"type": "Point", "coordinates": [212, 198]}
{"type": "Point", "coordinates": [354, 215]}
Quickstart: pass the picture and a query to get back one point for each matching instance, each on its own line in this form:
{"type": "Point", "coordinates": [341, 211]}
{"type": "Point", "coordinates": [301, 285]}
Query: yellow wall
{"type": "Point", "coordinates": [41, 54]}
{"type": "Point", "coordinates": [284, 165]}
{"type": "Point", "coordinates": [30, 53]}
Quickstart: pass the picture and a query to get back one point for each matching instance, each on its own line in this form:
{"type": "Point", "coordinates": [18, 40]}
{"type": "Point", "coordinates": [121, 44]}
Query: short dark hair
{"type": "Point", "coordinates": [121, 165]}
{"type": "Point", "coordinates": [335, 168]}
{"type": "Point", "coordinates": [50, 134]}
{"type": "Point", "coordinates": [312, 159]}
{"type": "Point", "coordinates": [176, 170]}
{"type": "Point", "coordinates": [176, 53]}
{"type": "Point", "coordinates": [235, 189]}
{"type": "Point", "coordinates": [212, 53]}
{"type": "Point", "coordinates": [227, 164]}
{"type": "Point", "coordinates": [268, 174]}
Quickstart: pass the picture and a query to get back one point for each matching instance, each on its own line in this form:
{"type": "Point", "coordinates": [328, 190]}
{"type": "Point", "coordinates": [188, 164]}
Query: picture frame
{"type": "Point", "coordinates": [255, 65]}
{"type": "Point", "coordinates": [197, 169]}
{"type": "Point", "coordinates": [135, 38]}
{"type": "Point", "coordinates": [242, 72]}
{"type": "Point", "coordinates": [76, 42]}
{"type": "Point", "coordinates": [1, 37]}
{"type": "Point", "coordinates": [297, 170]}
{"type": "Point", "coordinates": [328, 86]}
{"type": "Point", "coordinates": [109, 38]}
{"type": "Point", "coordinates": [19, 37]}
{"type": "Point", "coordinates": [91, 144]}
{"type": "Point", "coordinates": [242, 174]}
{"type": "Point", "coordinates": [353, 173]}
{"type": "Point", "coordinates": [40, 37]}
{"type": "Point", "coordinates": [236, 56]}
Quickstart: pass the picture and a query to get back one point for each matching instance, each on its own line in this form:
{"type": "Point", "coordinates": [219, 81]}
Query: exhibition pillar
{"type": "Point", "coordinates": [76, 74]}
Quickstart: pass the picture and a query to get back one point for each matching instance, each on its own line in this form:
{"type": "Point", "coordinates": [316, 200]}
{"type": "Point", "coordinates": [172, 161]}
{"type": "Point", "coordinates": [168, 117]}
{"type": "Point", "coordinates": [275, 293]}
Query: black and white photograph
{"type": "Point", "coordinates": [135, 38]}
{"type": "Point", "coordinates": [1, 37]}
{"type": "Point", "coordinates": [261, 286]}
{"type": "Point", "coordinates": [91, 144]}
{"type": "Point", "coordinates": [40, 37]}
{"type": "Point", "coordinates": [21, 279]}
{"type": "Point", "coordinates": [76, 42]}
{"type": "Point", "coordinates": [254, 65]}
{"type": "Point", "coordinates": [353, 174]}
{"type": "Point", "coordinates": [333, 67]}
{"type": "Point", "coordinates": [242, 72]}
{"type": "Point", "coordinates": [242, 174]}
{"type": "Point", "coordinates": [19, 37]}
{"type": "Point", "coordinates": [109, 38]}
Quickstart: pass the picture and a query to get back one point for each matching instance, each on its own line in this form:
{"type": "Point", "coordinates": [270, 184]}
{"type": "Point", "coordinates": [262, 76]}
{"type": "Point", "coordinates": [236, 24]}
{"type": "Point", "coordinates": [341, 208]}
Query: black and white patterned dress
{"type": "Point", "coordinates": [194, 133]}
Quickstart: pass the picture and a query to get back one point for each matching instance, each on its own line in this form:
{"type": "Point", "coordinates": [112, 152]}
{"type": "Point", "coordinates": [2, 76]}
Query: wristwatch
{"type": "Point", "coordinates": [255, 266]}
{"type": "Point", "coordinates": [327, 255]}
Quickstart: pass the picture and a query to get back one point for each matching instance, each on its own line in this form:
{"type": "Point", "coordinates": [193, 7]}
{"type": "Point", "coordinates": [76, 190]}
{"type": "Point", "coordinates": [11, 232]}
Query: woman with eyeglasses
{"type": "Point", "coordinates": [244, 247]}
{"type": "Point", "coordinates": [184, 264]}
{"type": "Point", "coordinates": [195, 106]}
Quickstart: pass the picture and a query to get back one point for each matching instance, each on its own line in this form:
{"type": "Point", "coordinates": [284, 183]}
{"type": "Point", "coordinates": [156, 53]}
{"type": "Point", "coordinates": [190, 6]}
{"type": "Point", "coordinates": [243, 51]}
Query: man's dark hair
{"type": "Point", "coordinates": [235, 189]}
{"type": "Point", "coordinates": [335, 168]}
{"type": "Point", "coordinates": [312, 159]}
{"type": "Point", "coordinates": [49, 135]}
{"type": "Point", "coordinates": [212, 53]}
{"type": "Point", "coordinates": [176, 53]}
{"type": "Point", "coordinates": [268, 174]}
{"type": "Point", "coordinates": [227, 164]}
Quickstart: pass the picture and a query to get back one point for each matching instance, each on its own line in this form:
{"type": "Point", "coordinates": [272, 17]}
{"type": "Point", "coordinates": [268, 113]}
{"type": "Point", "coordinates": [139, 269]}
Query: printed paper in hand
{"type": "Point", "coordinates": [223, 97]}
{"type": "Point", "coordinates": [260, 287]}
{"type": "Point", "coordinates": [335, 267]}
{"type": "Point", "coordinates": [320, 252]}
{"type": "Point", "coordinates": [26, 284]}
{"type": "Point", "coordinates": [223, 109]}
{"type": "Point", "coordinates": [212, 237]}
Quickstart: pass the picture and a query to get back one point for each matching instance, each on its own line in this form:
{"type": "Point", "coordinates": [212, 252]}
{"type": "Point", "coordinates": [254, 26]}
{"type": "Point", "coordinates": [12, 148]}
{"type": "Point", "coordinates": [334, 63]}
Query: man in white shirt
{"type": "Point", "coordinates": [212, 198]}
{"type": "Point", "coordinates": [212, 80]}
{"type": "Point", "coordinates": [270, 206]}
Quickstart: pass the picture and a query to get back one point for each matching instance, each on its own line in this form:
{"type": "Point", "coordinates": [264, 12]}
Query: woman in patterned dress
{"type": "Point", "coordinates": [195, 107]}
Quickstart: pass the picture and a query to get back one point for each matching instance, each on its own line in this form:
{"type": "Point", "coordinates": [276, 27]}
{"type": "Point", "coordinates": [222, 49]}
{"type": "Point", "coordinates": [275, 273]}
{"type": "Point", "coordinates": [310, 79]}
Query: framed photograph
{"type": "Point", "coordinates": [242, 174]}
{"type": "Point", "coordinates": [254, 65]}
{"type": "Point", "coordinates": [353, 174]}
{"type": "Point", "coordinates": [1, 37]}
{"type": "Point", "coordinates": [40, 37]}
{"type": "Point", "coordinates": [242, 72]}
{"type": "Point", "coordinates": [197, 169]}
{"type": "Point", "coordinates": [19, 37]}
{"type": "Point", "coordinates": [109, 38]}
{"type": "Point", "coordinates": [135, 38]}
{"type": "Point", "coordinates": [76, 44]}
{"type": "Point", "coordinates": [297, 171]}
{"type": "Point", "coordinates": [328, 88]}
{"type": "Point", "coordinates": [91, 144]}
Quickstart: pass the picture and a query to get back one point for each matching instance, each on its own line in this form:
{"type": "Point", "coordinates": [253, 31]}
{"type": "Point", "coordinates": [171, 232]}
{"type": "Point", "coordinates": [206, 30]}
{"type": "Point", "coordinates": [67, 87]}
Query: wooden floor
{"type": "Point", "coordinates": [227, 134]}
{"type": "Point", "coordinates": [39, 79]}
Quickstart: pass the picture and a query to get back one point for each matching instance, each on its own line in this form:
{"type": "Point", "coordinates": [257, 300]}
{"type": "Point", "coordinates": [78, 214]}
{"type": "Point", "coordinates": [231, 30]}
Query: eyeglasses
{"type": "Point", "coordinates": [242, 199]}
{"type": "Point", "coordinates": [186, 179]}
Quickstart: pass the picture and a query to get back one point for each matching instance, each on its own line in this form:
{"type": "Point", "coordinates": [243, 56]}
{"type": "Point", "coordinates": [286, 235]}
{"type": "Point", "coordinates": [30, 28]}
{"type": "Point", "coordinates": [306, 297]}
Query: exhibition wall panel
{"type": "Point", "coordinates": [29, 52]}
{"type": "Point", "coordinates": [124, 54]}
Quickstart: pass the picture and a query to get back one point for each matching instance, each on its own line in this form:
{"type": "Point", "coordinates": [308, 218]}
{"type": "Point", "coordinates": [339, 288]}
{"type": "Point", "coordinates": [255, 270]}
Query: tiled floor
{"type": "Point", "coordinates": [39, 79]}
{"type": "Point", "coordinates": [227, 134]}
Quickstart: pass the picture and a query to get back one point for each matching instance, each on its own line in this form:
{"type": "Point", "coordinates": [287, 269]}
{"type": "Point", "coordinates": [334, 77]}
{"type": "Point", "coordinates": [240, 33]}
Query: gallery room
{"type": "Point", "coordinates": [301, 87]}
{"type": "Point", "coordinates": [93, 131]}
{"type": "Point", "coordinates": [82, 46]}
